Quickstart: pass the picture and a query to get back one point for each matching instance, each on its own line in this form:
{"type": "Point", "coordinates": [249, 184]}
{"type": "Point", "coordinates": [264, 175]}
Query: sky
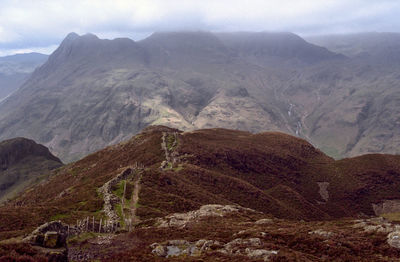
{"type": "Point", "coordinates": [40, 25]}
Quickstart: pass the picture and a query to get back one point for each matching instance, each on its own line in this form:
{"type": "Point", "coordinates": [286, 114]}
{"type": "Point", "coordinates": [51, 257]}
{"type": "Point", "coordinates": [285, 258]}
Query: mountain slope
{"type": "Point", "coordinates": [15, 69]}
{"type": "Point", "coordinates": [22, 163]}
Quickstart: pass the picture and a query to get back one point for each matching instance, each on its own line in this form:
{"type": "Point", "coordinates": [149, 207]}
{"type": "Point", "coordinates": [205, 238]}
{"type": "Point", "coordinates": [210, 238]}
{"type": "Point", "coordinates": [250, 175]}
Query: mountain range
{"type": "Point", "coordinates": [15, 69]}
{"type": "Point", "coordinates": [92, 92]}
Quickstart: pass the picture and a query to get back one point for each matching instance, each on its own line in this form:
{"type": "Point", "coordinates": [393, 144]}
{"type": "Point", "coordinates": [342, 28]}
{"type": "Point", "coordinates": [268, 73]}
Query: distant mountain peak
{"type": "Point", "coordinates": [71, 36]}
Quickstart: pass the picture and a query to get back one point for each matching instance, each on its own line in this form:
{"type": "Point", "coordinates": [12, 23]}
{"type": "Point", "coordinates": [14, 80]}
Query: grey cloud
{"type": "Point", "coordinates": [32, 24]}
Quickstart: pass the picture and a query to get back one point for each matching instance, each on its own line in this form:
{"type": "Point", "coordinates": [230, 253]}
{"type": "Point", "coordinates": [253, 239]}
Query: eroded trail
{"type": "Point", "coordinates": [135, 199]}
{"type": "Point", "coordinates": [168, 145]}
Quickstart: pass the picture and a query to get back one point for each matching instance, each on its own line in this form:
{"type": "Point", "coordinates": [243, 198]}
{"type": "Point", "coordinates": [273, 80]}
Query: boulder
{"type": "Point", "coordinates": [260, 253]}
{"type": "Point", "coordinates": [159, 250]}
{"type": "Point", "coordinates": [394, 239]}
{"type": "Point", "coordinates": [264, 221]}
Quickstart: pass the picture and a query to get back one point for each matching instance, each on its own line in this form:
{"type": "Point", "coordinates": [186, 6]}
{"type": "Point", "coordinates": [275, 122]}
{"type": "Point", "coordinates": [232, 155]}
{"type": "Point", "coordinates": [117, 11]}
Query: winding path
{"type": "Point", "coordinates": [135, 199]}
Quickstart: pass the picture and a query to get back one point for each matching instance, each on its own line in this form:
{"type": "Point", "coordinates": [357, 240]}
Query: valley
{"type": "Point", "coordinates": [15, 70]}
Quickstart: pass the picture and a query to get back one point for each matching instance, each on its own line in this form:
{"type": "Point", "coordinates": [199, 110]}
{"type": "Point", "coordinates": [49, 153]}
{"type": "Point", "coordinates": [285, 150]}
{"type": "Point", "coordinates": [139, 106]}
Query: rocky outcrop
{"type": "Point", "coordinates": [168, 145]}
{"type": "Point", "coordinates": [378, 224]}
{"type": "Point", "coordinates": [386, 206]}
{"type": "Point", "coordinates": [250, 247]}
{"type": "Point", "coordinates": [182, 219]}
{"type": "Point", "coordinates": [323, 190]}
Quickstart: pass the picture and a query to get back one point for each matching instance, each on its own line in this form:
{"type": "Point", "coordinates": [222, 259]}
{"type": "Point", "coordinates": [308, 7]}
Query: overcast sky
{"type": "Point", "coordinates": [40, 25]}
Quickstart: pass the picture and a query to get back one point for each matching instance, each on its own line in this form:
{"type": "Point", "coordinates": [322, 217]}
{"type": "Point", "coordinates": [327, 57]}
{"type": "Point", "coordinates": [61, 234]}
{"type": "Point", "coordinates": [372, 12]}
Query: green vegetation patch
{"type": "Point", "coordinates": [118, 209]}
{"type": "Point", "coordinates": [118, 189]}
{"type": "Point", "coordinates": [395, 217]}
{"type": "Point", "coordinates": [178, 168]}
{"type": "Point", "coordinates": [170, 142]}
{"type": "Point", "coordinates": [82, 237]}
{"type": "Point", "coordinates": [59, 216]}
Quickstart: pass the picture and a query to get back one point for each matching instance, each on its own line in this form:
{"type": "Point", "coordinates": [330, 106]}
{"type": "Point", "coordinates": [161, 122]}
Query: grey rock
{"type": "Point", "coordinates": [394, 239]}
{"type": "Point", "coordinates": [182, 219]}
{"type": "Point", "coordinates": [160, 251]}
{"type": "Point", "coordinates": [264, 221]}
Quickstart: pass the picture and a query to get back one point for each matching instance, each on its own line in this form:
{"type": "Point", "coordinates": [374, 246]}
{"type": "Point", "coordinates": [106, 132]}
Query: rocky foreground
{"type": "Point", "coordinates": [218, 233]}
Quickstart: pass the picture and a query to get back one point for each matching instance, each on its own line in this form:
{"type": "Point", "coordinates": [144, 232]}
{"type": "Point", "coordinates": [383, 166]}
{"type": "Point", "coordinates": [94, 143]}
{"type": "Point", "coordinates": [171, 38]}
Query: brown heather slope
{"type": "Point", "coordinates": [273, 173]}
